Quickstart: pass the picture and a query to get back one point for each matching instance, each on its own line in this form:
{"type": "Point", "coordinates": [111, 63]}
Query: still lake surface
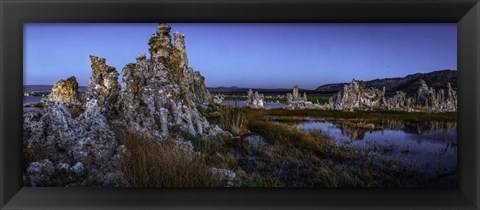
{"type": "Point", "coordinates": [31, 99]}
{"type": "Point", "coordinates": [431, 146]}
{"type": "Point", "coordinates": [268, 105]}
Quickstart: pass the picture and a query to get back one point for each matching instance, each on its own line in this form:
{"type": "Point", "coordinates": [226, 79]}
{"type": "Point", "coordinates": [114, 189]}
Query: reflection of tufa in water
{"type": "Point", "coordinates": [355, 129]}
{"type": "Point", "coordinates": [430, 146]}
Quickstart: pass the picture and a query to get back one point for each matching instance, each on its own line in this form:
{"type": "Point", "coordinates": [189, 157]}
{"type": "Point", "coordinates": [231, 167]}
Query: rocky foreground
{"type": "Point", "coordinates": [157, 99]}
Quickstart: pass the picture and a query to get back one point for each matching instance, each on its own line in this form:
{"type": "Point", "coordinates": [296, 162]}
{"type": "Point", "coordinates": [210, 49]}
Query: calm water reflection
{"type": "Point", "coordinates": [430, 146]}
{"type": "Point", "coordinates": [31, 99]}
{"type": "Point", "coordinates": [269, 105]}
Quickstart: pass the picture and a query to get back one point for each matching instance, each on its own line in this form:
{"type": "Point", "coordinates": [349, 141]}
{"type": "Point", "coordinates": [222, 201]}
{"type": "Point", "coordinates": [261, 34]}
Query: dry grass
{"type": "Point", "coordinates": [370, 115]}
{"type": "Point", "coordinates": [297, 158]}
{"type": "Point", "coordinates": [290, 157]}
{"type": "Point", "coordinates": [233, 119]}
{"type": "Point", "coordinates": [150, 163]}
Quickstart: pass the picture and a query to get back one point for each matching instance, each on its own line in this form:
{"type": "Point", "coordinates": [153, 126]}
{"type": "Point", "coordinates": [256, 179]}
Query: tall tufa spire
{"type": "Point", "coordinates": [161, 42]}
{"type": "Point", "coordinates": [179, 44]}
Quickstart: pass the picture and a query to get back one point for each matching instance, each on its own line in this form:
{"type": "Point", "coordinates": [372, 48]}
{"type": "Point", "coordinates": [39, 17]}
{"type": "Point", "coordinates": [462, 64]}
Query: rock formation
{"type": "Point", "coordinates": [254, 100]}
{"type": "Point", "coordinates": [426, 98]}
{"type": "Point", "coordinates": [218, 98]}
{"type": "Point", "coordinates": [86, 140]}
{"type": "Point", "coordinates": [157, 98]}
{"type": "Point", "coordinates": [229, 177]}
{"type": "Point", "coordinates": [356, 96]}
{"type": "Point", "coordinates": [161, 42]}
{"type": "Point", "coordinates": [399, 102]}
{"type": "Point", "coordinates": [160, 95]}
{"type": "Point", "coordinates": [103, 85]}
{"type": "Point", "coordinates": [451, 100]}
{"type": "Point", "coordinates": [296, 101]}
{"type": "Point", "coordinates": [66, 91]}
{"type": "Point", "coordinates": [295, 96]}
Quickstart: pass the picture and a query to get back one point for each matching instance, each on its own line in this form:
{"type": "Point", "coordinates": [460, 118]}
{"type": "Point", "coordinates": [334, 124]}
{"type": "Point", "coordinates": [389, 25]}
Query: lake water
{"type": "Point", "coordinates": [268, 105]}
{"type": "Point", "coordinates": [429, 146]}
{"type": "Point", "coordinates": [31, 99]}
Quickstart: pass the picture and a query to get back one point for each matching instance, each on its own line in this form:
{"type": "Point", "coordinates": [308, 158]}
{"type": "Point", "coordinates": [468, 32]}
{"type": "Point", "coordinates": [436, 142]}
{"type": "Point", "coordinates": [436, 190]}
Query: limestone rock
{"type": "Point", "coordinates": [87, 139]}
{"type": "Point", "coordinates": [157, 98]}
{"type": "Point", "coordinates": [295, 101]}
{"type": "Point", "coordinates": [229, 177]}
{"type": "Point", "coordinates": [254, 100]}
{"type": "Point", "coordinates": [39, 173]}
{"type": "Point", "coordinates": [399, 102]}
{"type": "Point", "coordinates": [103, 85]}
{"type": "Point", "coordinates": [436, 101]}
{"type": "Point", "coordinates": [179, 44]}
{"type": "Point", "coordinates": [66, 91]}
{"type": "Point", "coordinates": [451, 100]}
{"type": "Point", "coordinates": [152, 105]}
{"type": "Point", "coordinates": [357, 96]}
{"type": "Point", "coordinates": [201, 96]}
{"type": "Point", "coordinates": [174, 57]}
{"type": "Point", "coordinates": [160, 42]}
{"type": "Point", "coordinates": [159, 95]}
{"type": "Point", "coordinates": [218, 99]}
{"type": "Point", "coordinates": [425, 96]}
{"type": "Point", "coordinates": [295, 96]}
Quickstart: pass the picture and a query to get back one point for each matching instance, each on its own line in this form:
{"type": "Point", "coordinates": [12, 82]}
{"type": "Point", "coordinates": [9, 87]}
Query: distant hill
{"type": "Point", "coordinates": [408, 84]}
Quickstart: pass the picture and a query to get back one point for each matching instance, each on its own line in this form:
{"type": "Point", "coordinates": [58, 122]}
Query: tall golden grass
{"type": "Point", "coordinates": [233, 119]}
{"type": "Point", "coordinates": [151, 163]}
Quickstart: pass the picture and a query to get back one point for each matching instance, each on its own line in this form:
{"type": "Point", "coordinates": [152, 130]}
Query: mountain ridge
{"type": "Point", "coordinates": [408, 84]}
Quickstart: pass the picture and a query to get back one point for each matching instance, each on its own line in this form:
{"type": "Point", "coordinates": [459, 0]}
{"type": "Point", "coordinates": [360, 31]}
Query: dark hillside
{"type": "Point", "coordinates": [408, 84]}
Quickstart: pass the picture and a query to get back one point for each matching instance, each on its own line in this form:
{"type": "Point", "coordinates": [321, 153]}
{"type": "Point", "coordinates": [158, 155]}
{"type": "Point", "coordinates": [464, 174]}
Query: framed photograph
{"type": "Point", "coordinates": [248, 105]}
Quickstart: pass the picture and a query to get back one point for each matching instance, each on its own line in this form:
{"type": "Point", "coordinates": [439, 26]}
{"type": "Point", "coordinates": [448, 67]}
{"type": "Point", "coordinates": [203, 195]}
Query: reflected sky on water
{"type": "Point", "coordinates": [432, 146]}
{"type": "Point", "coordinates": [269, 105]}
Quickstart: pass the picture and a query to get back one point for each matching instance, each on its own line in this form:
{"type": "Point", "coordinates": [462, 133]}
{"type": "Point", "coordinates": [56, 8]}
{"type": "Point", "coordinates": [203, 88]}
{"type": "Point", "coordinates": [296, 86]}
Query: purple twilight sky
{"type": "Point", "coordinates": [249, 55]}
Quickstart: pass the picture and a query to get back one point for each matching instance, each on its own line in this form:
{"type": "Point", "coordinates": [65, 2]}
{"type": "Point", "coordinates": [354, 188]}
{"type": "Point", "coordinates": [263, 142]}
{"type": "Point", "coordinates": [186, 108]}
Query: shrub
{"type": "Point", "coordinates": [256, 180]}
{"type": "Point", "coordinates": [150, 163]}
{"type": "Point", "coordinates": [233, 119]}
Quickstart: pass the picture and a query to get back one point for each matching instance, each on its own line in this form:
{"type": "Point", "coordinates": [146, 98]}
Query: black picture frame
{"type": "Point", "coordinates": [466, 13]}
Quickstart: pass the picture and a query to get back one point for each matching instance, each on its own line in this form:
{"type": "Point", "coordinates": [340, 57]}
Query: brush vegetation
{"type": "Point", "coordinates": [377, 115]}
{"type": "Point", "coordinates": [291, 157]}
{"type": "Point", "coordinates": [152, 163]}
